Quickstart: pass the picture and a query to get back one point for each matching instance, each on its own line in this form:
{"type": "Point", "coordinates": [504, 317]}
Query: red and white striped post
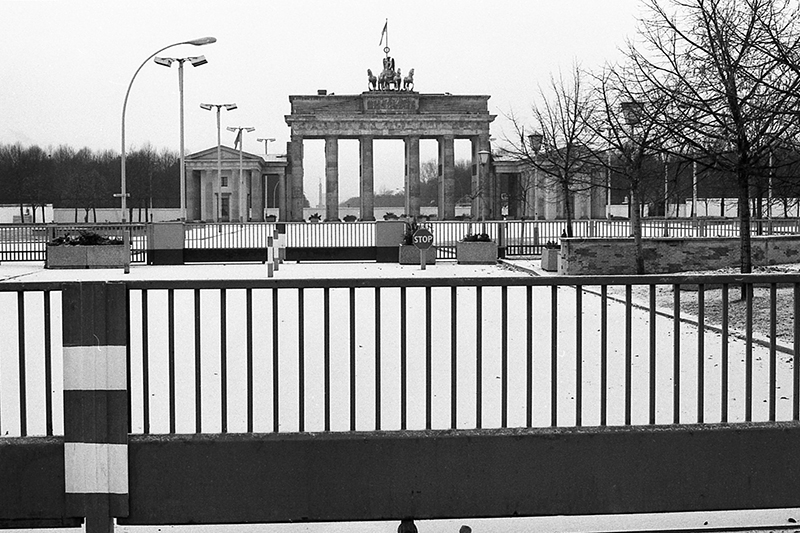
{"type": "Point", "coordinates": [95, 321]}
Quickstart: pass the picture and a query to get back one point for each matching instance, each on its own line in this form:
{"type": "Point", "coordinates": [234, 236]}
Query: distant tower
{"type": "Point", "coordinates": [321, 203]}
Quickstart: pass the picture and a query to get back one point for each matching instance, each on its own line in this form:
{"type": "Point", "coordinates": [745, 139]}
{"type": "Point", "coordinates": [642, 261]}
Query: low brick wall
{"type": "Point", "coordinates": [602, 256]}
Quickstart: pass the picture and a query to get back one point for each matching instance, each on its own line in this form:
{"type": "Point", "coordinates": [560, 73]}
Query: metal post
{"type": "Point", "coordinates": [219, 170]}
{"type": "Point", "coordinates": [183, 151]}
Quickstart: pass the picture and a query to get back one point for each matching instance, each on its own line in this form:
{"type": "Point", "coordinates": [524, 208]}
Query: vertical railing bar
{"type": "Point", "coordinates": [554, 355]}
{"type": "Point", "coordinates": [198, 397]}
{"type": "Point", "coordinates": [676, 362]}
{"type": "Point", "coordinates": [23, 402]}
{"type": "Point", "coordinates": [48, 366]}
{"type": "Point", "coordinates": [453, 357]}
{"type": "Point", "coordinates": [724, 354]}
{"type": "Point", "coordinates": [128, 359]}
{"type": "Point", "coordinates": [403, 362]}
{"type": "Point", "coordinates": [327, 356]}
{"type": "Point", "coordinates": [604, 355]}
{"type": "Point", "coordinates": [223, 358]}
{"type": "Point", "coordinates": [276, 361]}
{"type": "Point", "coordinates": [145, 366]}
{"type": "Point", "coordinates": [301, 361]}
{"type": "Point", "coordinates": [249, 326]}
{"type": "Point", "coordinates": [578, 355]}
{"type": "Point", "coordinates": [701, 352]}
{"type": "Point", "coordinates": [628, 353]}
{"type": "Point", "coordinates": [428, 360]}
{"type": "Point", "coordinates": [171, 356]}
{"type": "Point", "coordinates": [529, 356]}
{"type": "Point", "coordinates": [773, 318]}
{"type": "Point", "coordinates": [352, 358]}
{"type": "Point", "coordinates": [377, 359]}
{"type": "Point", "coordinates": [653, 352]}
{"type": "Point", "coordinates": [479, 357]}
{"type": "Point", "coordinates": [748, 407]}
{"type": "Point", "coordinates": [795, 362]}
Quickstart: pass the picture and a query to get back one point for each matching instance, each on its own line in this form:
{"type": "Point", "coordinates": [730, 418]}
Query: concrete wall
{"type": "Point", "coordinates": [601, 256]}
{"type": "Point", "coordinates": [261, 478]}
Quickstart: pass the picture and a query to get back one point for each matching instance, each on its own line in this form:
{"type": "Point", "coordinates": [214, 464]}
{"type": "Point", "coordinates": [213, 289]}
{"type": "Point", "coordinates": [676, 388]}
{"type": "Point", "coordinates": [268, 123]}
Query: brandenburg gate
{"type": "Point", "coordinates": [384, 112]}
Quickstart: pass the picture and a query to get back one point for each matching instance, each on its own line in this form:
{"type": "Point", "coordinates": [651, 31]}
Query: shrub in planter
{"type": "Point", "coordinates": [550, 256]}
{"type": "Point", "coordinates": [476, 249]}
{"type": "Point", "coordinates": [85, 250]}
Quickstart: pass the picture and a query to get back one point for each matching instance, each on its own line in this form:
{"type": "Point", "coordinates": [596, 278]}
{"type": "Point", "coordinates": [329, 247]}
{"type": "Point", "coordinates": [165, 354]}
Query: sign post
{"type": "Point", "coordinates": [422, 239]}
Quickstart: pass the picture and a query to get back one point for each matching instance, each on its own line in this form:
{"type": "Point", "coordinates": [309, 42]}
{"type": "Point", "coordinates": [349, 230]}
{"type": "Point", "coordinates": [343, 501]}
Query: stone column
{"type": "Point", "coordinates": [331, 178]}
{"type": "Point", "coordinates": [367, 179]}
{"type": "Point", "coordinates": [412, 175]}
{"type": "Point", "coordinates": [295, 196]}
{"type": "Point", "coordinates": [447, 182]}
{"type": "Point", "coordinates": [282, 214]}
{"type": "Point", "coordinates": [257, 195]}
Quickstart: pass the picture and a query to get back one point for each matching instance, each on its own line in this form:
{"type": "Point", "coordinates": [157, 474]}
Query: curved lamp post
{"type": "Point", "coordinates": [123, 193]}
{"type": "Point", "coordinates": [196, 61]}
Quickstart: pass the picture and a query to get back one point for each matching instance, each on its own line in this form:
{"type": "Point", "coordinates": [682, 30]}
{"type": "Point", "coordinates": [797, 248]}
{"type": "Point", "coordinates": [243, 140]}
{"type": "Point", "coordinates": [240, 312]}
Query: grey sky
{"type": "Point", "coordinates": [66, 65]}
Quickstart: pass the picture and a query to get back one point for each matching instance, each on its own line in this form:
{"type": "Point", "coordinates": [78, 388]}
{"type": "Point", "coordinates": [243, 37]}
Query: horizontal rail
{"type": "Point", "coordinates": [26, 242]}
{"type": "Point", "coordinates": [394, 354]}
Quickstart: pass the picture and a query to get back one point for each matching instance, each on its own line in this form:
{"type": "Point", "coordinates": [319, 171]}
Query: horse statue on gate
{"type": "Point", "coordinates": [398, 80]}
{"type": "Point", "coordinates": [372, 80]}
{"type": "Point", "coordinates": [408, 81]}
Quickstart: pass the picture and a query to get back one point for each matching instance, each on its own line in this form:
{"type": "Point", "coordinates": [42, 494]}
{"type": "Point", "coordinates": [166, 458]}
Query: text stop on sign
{"type": "Point", "coordinates": [423, 239]}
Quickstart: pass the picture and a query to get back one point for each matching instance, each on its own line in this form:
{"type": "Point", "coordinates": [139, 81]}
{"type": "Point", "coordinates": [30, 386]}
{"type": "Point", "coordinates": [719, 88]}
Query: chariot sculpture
{"type": "Point", "coordinates": [390, 78]}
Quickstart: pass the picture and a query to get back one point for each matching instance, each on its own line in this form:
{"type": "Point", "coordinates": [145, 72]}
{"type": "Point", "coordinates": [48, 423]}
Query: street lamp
{"type": "Point", "coordinates": [484, 156]}
{"type": "Point", "coordinates": [196, 61]}
{"type": "Point", "coordinates": [242, 192]}
{"type": "Point", "coordinates": [266, 144]}
{"type": "Point", "coordinates": [535, 140]}
{"type": "Point", "coordinates": [209, 107]}
{"type": "Point", "coordinates": [123, 194]}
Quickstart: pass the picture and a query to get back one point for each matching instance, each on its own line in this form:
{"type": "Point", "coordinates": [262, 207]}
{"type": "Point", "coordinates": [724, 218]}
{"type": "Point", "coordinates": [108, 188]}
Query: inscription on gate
{"type": "Point", "coordinates": [391, 103]}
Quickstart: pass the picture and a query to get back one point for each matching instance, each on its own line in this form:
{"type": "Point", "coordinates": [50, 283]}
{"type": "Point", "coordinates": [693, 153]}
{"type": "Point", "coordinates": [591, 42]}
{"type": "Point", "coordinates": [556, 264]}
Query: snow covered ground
{"type": "Point", "coordinates": [466, 369]}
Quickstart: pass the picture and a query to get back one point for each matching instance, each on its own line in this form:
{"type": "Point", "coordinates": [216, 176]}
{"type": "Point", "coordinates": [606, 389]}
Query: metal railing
{"type": "Point", "coordinates": [28, 242]}
{"type": "Point", "coordinates": [346, 355]}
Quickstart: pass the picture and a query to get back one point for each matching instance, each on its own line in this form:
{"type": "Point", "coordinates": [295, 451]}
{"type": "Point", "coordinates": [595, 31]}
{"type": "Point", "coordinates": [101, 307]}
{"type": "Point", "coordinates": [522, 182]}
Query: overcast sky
{"type": "Point", "coordinates": [65, 65]}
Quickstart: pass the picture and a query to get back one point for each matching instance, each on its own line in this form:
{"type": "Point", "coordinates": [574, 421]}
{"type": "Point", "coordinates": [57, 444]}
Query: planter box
{"type": "Point", "coordinates": [102, 256]}
{"type": "Point", "coordinates": [550, 258]}
{"type": "Point", "coordinates": [409, 255]}
{"type": "Point", "coordinates": [476, 253]}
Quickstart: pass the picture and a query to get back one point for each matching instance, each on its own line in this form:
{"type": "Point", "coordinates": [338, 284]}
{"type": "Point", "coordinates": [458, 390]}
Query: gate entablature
{"type": "Point", "coordinates": [386, 114]}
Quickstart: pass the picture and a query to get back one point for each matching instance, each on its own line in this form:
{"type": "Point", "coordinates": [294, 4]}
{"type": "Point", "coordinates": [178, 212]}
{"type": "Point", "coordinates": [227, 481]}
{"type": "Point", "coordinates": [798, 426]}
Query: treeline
{"type": "Point", "coordinates": [428, 187]}
{"type": "Point", "coordinates": [86, 180]}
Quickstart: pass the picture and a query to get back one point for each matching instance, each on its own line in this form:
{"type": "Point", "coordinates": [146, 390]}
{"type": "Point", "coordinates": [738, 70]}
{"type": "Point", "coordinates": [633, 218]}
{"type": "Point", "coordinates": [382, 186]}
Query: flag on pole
{"type": "Point", "coordinates": [383, 33]}
{"type": "Point", "coordinates": [238, 140]}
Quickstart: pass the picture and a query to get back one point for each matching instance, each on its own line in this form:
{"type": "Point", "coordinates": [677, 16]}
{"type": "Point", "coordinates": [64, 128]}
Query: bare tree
{"type": "Point", "coordinates": [560, 127]}
{"type": "Point", "coordinates": [625, 121]}
{"type": "Point", "coordinates": [727, 68]}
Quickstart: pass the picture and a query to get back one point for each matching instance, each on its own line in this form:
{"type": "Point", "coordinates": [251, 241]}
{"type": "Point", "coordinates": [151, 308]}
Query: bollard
{"type": "Point", "coordinates": [95, 319]}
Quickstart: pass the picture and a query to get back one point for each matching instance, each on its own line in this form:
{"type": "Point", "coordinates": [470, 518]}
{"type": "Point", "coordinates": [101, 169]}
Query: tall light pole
{"type": "Point", "coordinates": [228, 107]}
{"type": "Point", "coordinates": [196, 61]}
{"type": "Point", "coordinates": [266, 144]}
{"type": "Point", "coordinates": [124, 193]}
{"type": "Point", "coordinates": [535, 140]}
{"type": "Point", "coordinates": [242, 191]}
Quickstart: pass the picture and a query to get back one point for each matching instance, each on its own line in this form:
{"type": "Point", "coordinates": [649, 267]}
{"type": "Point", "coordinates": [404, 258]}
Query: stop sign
{"type": "Point", "coordinates": [423, 239]}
